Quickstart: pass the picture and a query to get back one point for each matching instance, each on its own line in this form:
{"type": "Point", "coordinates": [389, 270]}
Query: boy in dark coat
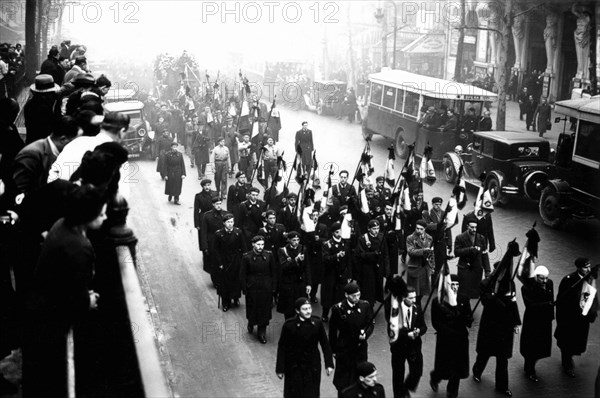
{"type": "Point", "coordinates": [298, 358]}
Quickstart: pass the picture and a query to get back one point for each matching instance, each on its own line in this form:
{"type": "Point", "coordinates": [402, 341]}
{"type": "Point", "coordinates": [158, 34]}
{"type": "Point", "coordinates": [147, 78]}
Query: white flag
{"type": "Point", "coordinates": [588, 295]}
{"type": "Point", "coordinates": [346, 229]}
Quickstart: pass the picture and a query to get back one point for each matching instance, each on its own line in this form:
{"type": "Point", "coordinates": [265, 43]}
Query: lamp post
{"type": "Point", "coordinates": [380, 17]}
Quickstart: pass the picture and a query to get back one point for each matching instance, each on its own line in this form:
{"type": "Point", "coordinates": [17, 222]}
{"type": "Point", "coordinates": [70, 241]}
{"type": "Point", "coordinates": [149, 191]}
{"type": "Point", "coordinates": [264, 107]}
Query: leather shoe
{"type": "Point", "coordinates": [570, 372]}
{"type": "Point", "coordinates": [262, 339]}
{"type": "Point", "coordinates": [225, 308]}
{"type": "Point", "coordinates": [325, 319]}
{"type": "Point", "coordinates": [506, 392]}
{"type": "Point", "coordinates": [434, 385]}
{"type": "Point", "coordinates": [177, 202]}
{"type": "Point", "coordinates": [477, 378]}
{"type": "Point", "coordinates": [236, 303]}
{"type": "Point", "coordinates": [533, 377]}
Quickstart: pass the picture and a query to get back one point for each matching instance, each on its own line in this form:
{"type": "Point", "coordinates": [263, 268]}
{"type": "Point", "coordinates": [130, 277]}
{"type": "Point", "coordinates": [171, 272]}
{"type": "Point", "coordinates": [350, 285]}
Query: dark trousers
{"type": "Point", "coordinates": [453, 383]}
{"type": "Point", "coordinates": [345, 366]}
{"type": "Point", "coordinates": [530, 366]}
{"type": "Point", "coordinates": [221, 177]}
{"type": "Point", "coordinates": [245, 166]}
{"type": "Point", "coordinates": [567, 360]}
{"type": "Point", "coordinates": [415, 369]}
{"type": "Point", "coordinates": [501, 369]}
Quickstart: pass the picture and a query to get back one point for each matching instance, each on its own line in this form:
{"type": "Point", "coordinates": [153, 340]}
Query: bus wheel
{"type": "Point", "coordinates": [449, 172]}
{"type": "Point", "coordinates": [401, 147]}
{"type": "Point", "coordinates": [549, 206]}
{"type": "Point", "coordinates": [366, 133]}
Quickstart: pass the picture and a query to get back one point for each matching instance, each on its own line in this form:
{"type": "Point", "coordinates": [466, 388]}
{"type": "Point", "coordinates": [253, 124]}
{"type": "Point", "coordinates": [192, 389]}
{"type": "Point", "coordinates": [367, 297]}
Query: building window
{"type": "Point", "coordinates": [376, 91]}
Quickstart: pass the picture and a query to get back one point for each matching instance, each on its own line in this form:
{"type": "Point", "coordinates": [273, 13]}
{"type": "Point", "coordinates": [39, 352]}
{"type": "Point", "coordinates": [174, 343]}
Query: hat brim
{"type": "Point", "coordinates": [48, 90]}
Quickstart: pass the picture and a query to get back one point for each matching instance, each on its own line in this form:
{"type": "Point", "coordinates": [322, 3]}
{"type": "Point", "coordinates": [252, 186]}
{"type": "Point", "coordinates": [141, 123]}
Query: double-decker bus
{"type": "Point", "coordinates": [397, 101]}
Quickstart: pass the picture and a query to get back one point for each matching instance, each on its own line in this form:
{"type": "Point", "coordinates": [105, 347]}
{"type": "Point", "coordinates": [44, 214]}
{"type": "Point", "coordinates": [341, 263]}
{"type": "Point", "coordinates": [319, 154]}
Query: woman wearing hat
{"type": "Point", "coordinates": [174, 173]}
{"type": "Point", "coordinates": [298, 358]}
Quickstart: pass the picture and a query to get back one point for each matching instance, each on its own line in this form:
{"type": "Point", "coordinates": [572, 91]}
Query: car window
{"type": "Point", "coordinates": [588, 141]}
{"type": "Point", "coordinates": [488, 148]}
{"type": "Point", "coordinates": [528, 151]}
{"type": "Point", "coordinates": [135, 117]}
{"type": "Point", "coordinates": [477, 144]}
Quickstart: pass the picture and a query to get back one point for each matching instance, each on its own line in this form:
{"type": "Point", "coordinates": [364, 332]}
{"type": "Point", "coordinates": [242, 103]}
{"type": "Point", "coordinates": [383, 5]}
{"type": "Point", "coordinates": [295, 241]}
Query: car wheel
{"type": "Point", "coordinates": [534, 184]}
{"type": "Point", "coordinates": [366, 133]}
{"type": "Point", "coordinates": [495, 189]}
{"type": "Point", "coordinates": [401, 146]}
{"type": "Point", "coordinates": [550, 210]}
{"type": "Point", "coordinates": [450, 173]}
{"type": "Point", "coordinates": [319, 108]}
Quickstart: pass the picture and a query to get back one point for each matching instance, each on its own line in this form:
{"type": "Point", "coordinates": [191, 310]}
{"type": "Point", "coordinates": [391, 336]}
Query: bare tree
{"type": "Point", "coordinates": [461, 39]}
{"type": "Point", "coordinates": [31, 43]}
{"type": "Point", "coordinates": [503, 67]}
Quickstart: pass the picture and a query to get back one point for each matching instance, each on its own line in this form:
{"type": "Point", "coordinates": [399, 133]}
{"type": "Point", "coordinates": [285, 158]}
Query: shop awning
{"type": "Point", "coordinates": [427, 44]}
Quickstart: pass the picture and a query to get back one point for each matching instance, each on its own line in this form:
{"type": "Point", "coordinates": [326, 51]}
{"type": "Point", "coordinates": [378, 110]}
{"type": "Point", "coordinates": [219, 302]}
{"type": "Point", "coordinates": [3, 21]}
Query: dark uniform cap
{"type": "Point", "coordinates": [205, 181]}
{"type": "Point", "coordinates": [352, 288]}
{"type": "Point", "coordinates": [422, 223]}
{"type": "Point", "coordinates": [581, 262]}
{"type": "Point", "coordinates": [300, 302]}
{"type": "Point", "coordinates": [258, 238]}
{"type": "Point", "coordinates": [365, 368]}
{"type": "Point", "coordinates": [343, 207]}
{"type": "Point", "coordinates": [239, 174]}
{"type": "Point", "coordinates": [227, 216]}
{"type": "Point", "coordinates": [454, 277]}
{"type": "Point", "coordinates": [293, 234]}
{"type": "Point", "coordinates": [269, 213]}
{"type": "Point", "coordinates": [373, 223]}
{"type": "Point", "coordinates": [469, 218]}
{"type": "Point", "coordinates": [292, 195]}
{"type": "Point", "coordinates": [380, 178]}
{"type": "Point", "coordinates": [217, 199]}
{"type": "Point", "coordinates": [335, 226]}
{"type": "Point", "coordinates": [437, 199]}
{"type": "Point", "coordinates": [254, 189]}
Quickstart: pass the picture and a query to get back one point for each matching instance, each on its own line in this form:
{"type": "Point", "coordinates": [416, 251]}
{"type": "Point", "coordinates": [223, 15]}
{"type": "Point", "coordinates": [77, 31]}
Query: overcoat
{"type": "Point", "coordinates": [314, 252]}
{"type": "Point", "coordinates": [298, 356]}
{"type": "Point", "coordinates": [229, 249]}
{"type": "Point", "coordinates": [258, 279]}
{"type": "Point", "coordinates": [293, 278]}
{"type": "Point", "coordinates": [212, 221]}
{"type": "Point", "coordinates": [174, 169]}
{"type": "Point", "coordinates": [337, 271]}
{"type": "Point", "coordinates": [536, 334]}
{"type": "Point", "coordinates": [470, 269]}
{"type": "Point", "coordinates": [372, 262]}
{"type": "Point", "coordinates": [420, 265]}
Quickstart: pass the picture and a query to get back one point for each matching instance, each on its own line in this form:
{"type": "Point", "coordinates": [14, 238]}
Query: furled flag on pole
{"type": "Point", "coordinates": [483, 202]}
{"type": "Point", "coordinates": [390, 173]}
{"type": "Point", "coordinates": [426, 170]}
{"type": "Point", "coordinates": [397, 288]}
{"type": "Point", "coordinates": [298, 165]}
{"type": "Point", "coordinates": [459, 192]}
{"type": "Point", "coordinates": [588, 294]}
{"type": "Point", "coordinates": [526, 264]}
{"type": "Point", "coordinates": [444, 287]}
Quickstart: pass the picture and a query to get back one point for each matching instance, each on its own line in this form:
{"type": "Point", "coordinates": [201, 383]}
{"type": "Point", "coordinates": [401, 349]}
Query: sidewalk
{"type": "Point", "coordinates": [514, 124]}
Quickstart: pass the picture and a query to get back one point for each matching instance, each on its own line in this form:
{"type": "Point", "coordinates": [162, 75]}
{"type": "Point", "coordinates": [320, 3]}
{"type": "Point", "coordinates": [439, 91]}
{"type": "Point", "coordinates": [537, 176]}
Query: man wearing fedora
{"type": "Point", "coordinates": [40, 110]}
{"type": "Point", "coordinates": [80, 66]}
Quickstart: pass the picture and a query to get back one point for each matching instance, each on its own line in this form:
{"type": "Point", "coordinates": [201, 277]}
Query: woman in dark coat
{"type": "Point", "coordinates": [258, 278]}
{"type": "Point", "coordinates": [163, 146]}
{"type": "Point", "coordinates": [451, 323]}
{"type": "Point", "coordinates": [298, 358]}
{"type": "Point", "coordinates": [62, 294]}
{"type": "Point", "coordinates": [294, 274]}
{"type": "Point", "coordinates": [174, 173]}
{"type": "Point", "coordinates": [229, 247]}
{"type": "Point", "coordinates": [536, 337]}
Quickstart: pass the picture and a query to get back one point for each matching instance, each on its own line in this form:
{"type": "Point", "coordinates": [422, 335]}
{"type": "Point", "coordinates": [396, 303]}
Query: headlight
{"type": "Point", "coordinates": [524, 169]}
{"type": "Point", "coordinates": [141, 132]}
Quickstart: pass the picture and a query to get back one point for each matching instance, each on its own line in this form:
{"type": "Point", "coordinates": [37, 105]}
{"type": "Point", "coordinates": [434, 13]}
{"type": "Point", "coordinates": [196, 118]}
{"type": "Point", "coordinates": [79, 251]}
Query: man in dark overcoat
{"type": "Point", "coordinates": [366, 386]}
{"type": "Point", "coordinates": [164, 145]}
{"type": "Point", "coordinates": [442, 240]}
{"type": "Point", "coordinates": [287, 215]}
{"type": "Point", "coordinates": [200, 151]}
{"type": "Point", "coordinates": [372, 263]}
{"type": "Point", "coordinates": [350, 327]}
{"type": "Point", "coordinates": [314, 253]}
{"type": "Point", "coordinates": [572, 326]}
{"type": "Point", "coordinates": [258, 278]}
{"type": "Point", "coordinates": [212, 221]}
{"type": "Point", "coordinates": [451, 320]}
{"type": "Point", "coordinates": [469, 247]}
{"type": "Point", "coordinates": [274, 233]}
{"type": "Point", "coordinates": [250, 214]}
{"type": "Point", "coordinates": [337, 270]}
{"type": "Point", "coordinates": [485, 227]}
{"type": "Point", "coordinates": [174, 173]}
{"type": "Point", "coordinates": [343, 191]}
{"type": "Point", "coordinates": [294, 274]}
{"type": "Point", "coordinates": [304, 140]}
{"type": "Point", "coordinates": [394, 238]}
{"type": "Point", "coordinates": [202, 204]}
{"type": "Point", "coordinates": [500, 321]}
{"type": "Point", "coordinates": [237, 193]}
{"type": "Point", "coordinates": [298, 358]}
{"type": "Point", "coordinates": [543, 113]}
{"type": "Point", "coordinates": [536, 336]}
{"type": "Point", "coordinates": [229, 248]}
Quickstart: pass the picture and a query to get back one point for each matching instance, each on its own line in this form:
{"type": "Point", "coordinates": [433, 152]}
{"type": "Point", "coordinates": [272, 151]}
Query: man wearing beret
{"type": "Point", "coordinates": [298, 358]}
{"type": "Point", "coordinates": [230, 245]}
{"type": "Point", "coordinates": [273, 232]}
{"type": "Point", "coordinates": [250, 214]}
{"type": "Point", "coordinates": [237, 193]}
{"type": "Point", "coordinates": [367, 386]}
{"type": "Point", "coordinates": [469, 247]}
{"type": "Point", "coordinates": [485, 227]}
{"type": "Point", "coordinates": [576, 308]}
{"type": "Point", "coordinates": [294, 274]}
{"type": "Point", "coordinates": [212, 221]}
{"type": "Point", "coordinates": [351, 325]}
{"type": "Point", "coordinates": [337, 270]}
{"type": "Point", "coordinates": [419, 247]}
{"type": "Point", "coordinates": [382, 193]}
{"type": "Point", "coordinates": [258, 278]}
{"type": "Point", "coordinates": [202, 204]}
{"type": "Point", "coordinates": [372, 263]}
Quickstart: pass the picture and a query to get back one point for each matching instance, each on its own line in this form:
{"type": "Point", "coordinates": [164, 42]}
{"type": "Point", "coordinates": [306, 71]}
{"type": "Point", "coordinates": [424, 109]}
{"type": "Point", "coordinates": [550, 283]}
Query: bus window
{"type": "Point", "coordinates": [588, 141]}
{"type": "Point", "coordinates": [411, 104]}
{"type": "Point", "coordinates": [389, 97]}
{"type": "Point", "coordinates": [376, 91]}
{"type": "Point", "coordinates": [399, 100]}
{"type": "Point", "coordinates": [476, 105]}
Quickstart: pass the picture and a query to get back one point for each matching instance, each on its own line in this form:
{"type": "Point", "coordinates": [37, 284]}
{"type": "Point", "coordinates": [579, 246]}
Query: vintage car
{"type": "Point", "coordinates": [513, 163]}
{"type": "Point", "coordinates": [574, 193]}
{"type": "Point", "coordinates": [120, 95]}
{"type": "Point", "coordinates": [324, 96]}
{"type": "Point", "coordinates": [139, 137]}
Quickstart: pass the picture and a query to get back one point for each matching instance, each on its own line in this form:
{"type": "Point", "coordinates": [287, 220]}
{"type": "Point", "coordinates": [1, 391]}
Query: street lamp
{"type": "Point", "coordinates": [380, 17]}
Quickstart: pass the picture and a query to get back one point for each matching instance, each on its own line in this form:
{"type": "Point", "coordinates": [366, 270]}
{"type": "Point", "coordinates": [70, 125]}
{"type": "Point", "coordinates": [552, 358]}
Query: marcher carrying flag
{"type": "Point", "coordinates": [390, 173]}
{"type": "Point", "coordinates": [444, 287]}
{"type": "Point", "coordinates": [426, 170]}
{"type": "Point", "coordinates": [278, 188]}
{"type": "Point", "coordinates": [483, 202]}
{"type": "Point", "coordinates": [526, 266]}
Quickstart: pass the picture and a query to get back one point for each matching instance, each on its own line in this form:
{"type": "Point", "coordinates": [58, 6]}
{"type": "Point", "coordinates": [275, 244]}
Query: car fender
{"type": "Point", "coordinates": [498, 174]}
{"type": "Point", "coordinates": [561, 186]}
{"type": "Point", "coordinates": [456, 160]}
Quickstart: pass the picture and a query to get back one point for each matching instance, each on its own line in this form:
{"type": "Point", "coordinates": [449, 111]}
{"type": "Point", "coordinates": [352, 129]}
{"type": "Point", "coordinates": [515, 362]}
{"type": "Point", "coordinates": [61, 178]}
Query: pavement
{"type": "Point", "coordinates": [207, 353]}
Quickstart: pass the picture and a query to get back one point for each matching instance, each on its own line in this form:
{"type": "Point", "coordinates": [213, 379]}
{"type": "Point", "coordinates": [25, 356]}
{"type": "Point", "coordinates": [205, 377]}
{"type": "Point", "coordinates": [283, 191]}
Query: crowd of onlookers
{"type": "Point", "coordinates": [12, 61]}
